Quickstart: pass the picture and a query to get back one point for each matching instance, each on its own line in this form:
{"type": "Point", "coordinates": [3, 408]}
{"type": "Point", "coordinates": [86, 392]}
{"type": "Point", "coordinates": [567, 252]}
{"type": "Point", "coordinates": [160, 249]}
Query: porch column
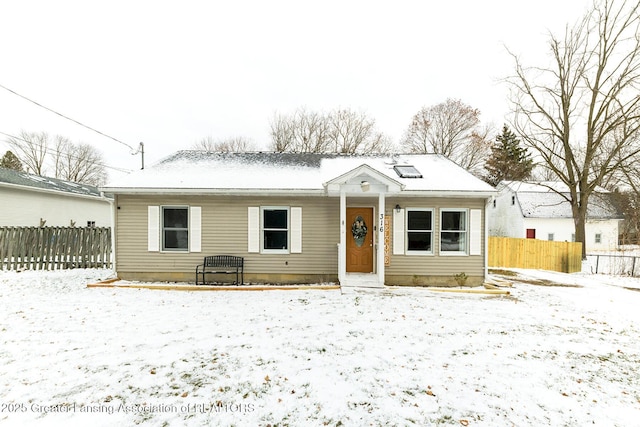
{"type": "Point", "coordinates": [342, 247]}
{"type": "Point", "coordinates": [380, 240]}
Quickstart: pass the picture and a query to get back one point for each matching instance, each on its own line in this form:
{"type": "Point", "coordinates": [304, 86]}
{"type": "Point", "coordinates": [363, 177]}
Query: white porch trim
{"type": "Point", "coordinates": [375, 279]}
{"type": "Point", "coordinates": [380, 240]}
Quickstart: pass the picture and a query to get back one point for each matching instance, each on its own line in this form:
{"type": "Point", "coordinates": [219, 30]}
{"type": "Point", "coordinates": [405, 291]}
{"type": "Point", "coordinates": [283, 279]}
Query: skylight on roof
{"type": "Point", "coordinates": [407, 171]}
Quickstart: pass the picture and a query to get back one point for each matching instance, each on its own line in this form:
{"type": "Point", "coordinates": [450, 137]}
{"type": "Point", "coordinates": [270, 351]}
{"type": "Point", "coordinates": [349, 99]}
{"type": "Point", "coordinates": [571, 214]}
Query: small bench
{"type": "Point", "coordinates": [220, 264]}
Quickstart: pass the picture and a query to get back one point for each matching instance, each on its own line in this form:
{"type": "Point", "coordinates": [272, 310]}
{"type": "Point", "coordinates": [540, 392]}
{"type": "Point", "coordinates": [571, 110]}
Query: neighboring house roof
{"type": "Point", "coordinates": [548, 200]}
{"type": "Point", "coordinates": [201, 171]}
{"type": "Point", "coordinates": [16, 179]}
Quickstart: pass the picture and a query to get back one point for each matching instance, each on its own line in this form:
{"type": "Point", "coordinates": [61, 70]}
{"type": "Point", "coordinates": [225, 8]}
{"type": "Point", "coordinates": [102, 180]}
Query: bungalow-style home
{"type": "Point", "coordinates": [303, 218]}
{"type": "Point", "coordinates": [539, 210]}
{"type": "Point", "coordinates": [33, 201]}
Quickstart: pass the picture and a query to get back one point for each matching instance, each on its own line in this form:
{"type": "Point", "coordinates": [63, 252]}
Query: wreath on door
{"type": "Point", "coordinates": [359, 230]}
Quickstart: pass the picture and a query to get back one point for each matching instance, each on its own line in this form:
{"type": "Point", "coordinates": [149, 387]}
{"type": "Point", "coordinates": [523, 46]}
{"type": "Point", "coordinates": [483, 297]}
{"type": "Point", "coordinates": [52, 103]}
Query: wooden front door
{"type": "Point", "coordinates": [360, 240]}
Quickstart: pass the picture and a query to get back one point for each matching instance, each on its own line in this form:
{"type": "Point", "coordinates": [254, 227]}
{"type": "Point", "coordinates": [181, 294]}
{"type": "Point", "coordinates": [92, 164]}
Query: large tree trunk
{"type": "Point", "coordinates": [581, 234]}
{"type": "Point", "coordinates": [579, 204]}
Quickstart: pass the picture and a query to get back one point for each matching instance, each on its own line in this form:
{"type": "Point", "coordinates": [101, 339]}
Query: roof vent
{"type": "Point", "coordinates": [407, 171]}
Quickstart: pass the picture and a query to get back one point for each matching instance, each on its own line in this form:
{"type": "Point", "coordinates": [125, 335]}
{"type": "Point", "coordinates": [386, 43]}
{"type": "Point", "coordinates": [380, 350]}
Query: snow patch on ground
{"type": "Point", "coordinates": [545, 355]}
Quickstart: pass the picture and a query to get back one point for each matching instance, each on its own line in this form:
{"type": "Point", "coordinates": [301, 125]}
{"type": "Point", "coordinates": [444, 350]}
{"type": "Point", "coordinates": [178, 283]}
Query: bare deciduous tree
{"type": "Point", "coordinates": [452, 129]}
{"type": "Point", "coordinates": [339, 131]}
{"type": "Point", "coordinates": [353, 132]}
{"type": "Point", "coordinates": [82, 163]}
{"type": "Point", "coordinates": [237, 144]}
{"type": "Point", "coordinates": [31, 148]}
{"type": "Point", "coordinates": [303, 131]}
{"type": "Point", "coordinates": [582, 113]}
{"type": "Point", "coordinates": [62, 145]}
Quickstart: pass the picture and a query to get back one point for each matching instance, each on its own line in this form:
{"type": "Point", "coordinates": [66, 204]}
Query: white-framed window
{"type": "Point", "coordinates": [453, 231]}
{"type": "Point", "coordinates": [275, 229]}
{"type": "Point", "coordinates": [419, 231]}
{"type": "Point", "coordinates": [550, 237]}
{"type": "Point", "coordinates": [174, 221]}
{"type": "Point", "coordinates": [598, 238]}
{"type": "Point", "coordinates": [573, 237]}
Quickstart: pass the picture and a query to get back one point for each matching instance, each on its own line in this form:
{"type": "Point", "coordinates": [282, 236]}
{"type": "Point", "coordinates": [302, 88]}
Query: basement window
{"type": "Point", "coordinates": [407, 171]}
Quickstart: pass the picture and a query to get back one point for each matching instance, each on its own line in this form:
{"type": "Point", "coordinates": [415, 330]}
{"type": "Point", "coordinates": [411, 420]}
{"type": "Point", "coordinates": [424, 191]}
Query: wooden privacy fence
{"type": "Point", "coordinates": [54, 248]}
{"type": "Point", "coordinates": [510, 252]}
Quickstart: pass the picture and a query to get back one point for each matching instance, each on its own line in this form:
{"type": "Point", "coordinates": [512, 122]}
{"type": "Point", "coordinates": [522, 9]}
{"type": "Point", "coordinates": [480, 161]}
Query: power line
{"type": "Point", "coordinates": [52, 151]}
{"type": "Point", "coordinates": [66, 117]}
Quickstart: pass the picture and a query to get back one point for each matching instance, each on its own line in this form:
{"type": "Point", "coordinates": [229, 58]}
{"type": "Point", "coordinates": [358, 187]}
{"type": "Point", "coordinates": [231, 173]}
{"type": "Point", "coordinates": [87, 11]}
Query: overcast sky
{"type": "Point", "coordinates": [171, 73]}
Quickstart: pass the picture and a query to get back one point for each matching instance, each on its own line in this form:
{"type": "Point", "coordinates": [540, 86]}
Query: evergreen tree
{"type": "Point", "coordinates": [10, 161]}
{"type": "Point", "coordinates": [508, 161]}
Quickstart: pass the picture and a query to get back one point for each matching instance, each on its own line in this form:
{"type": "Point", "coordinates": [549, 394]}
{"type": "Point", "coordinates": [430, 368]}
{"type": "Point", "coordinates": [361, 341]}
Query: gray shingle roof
{"type": "Point", "coordinates": [23, 179]}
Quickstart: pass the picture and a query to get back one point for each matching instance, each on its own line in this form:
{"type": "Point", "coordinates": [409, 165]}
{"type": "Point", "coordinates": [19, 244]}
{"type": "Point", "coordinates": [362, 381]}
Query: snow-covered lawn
{"type": "Point", "coordinates": [546, 355]}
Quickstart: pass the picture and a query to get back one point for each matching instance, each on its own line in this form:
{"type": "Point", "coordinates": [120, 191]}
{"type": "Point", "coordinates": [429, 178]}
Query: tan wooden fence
{"type": "Point", "coordinates": [510, 252]}
{"type": "Point", "coordinates": [54, 248]}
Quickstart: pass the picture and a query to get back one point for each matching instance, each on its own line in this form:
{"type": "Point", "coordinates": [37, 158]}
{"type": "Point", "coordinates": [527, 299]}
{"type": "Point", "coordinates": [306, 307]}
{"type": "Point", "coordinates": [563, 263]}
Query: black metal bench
{"type": "Point", "coordinates": [219, 264]}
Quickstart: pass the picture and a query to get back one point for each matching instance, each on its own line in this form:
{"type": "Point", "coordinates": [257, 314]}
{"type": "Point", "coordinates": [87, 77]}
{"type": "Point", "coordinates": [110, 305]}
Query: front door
{"type": "Point", "coordinates": [360, 240]}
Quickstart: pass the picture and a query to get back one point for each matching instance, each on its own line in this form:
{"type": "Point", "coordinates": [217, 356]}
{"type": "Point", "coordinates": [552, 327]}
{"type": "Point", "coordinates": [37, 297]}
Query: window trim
{"type": "Point", "coordinates": [163, 248]}
{"type": "Point", "coordinates": [414, 252]}
{"type": "Point", "coordinates": [466, 231]}
{"type": "Point", "coordinates": [264, 250]}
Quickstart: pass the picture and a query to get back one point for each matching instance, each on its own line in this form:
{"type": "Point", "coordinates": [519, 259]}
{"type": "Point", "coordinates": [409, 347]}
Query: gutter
{"type": "Point", "coordinates": [286, 192]}
{"type": "Point", "coordinates": [99, 197]}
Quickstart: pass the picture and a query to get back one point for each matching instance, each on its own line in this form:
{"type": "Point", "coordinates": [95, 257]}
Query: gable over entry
{"type": "Point", "coordinates": [357, 184]}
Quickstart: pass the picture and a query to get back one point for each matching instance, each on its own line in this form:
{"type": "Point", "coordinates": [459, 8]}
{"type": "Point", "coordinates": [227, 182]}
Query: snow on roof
{"type": "Point", "coordinates": [548, 199]}
{"type": "Point", "coordinates": [23, 179]}
{"type": "Point", "coordinates": [291, 171]}
{"type": "Point", "coordinates": [554, 205]}
{"type": "Point", "coordinates": [540, 187]}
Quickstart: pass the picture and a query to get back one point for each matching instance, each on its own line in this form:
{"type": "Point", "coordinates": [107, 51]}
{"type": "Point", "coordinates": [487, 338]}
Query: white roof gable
{"type": "Point", "coordinates": [548, 199]}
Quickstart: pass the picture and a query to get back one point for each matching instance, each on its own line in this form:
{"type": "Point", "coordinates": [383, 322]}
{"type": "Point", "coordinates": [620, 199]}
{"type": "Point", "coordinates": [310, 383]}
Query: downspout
{"type": "Point", "coordinates": [113, 232]}
{"type": "Point", "coordinates": [486, 238]}
{"type": "Point", "coordinates": [342, 247]}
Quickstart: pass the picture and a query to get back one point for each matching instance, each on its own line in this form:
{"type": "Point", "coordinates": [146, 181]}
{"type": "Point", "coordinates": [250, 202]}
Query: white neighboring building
{"type": "Point", "coordinates": [28, 200]}
{"type": "Point", "coordinates": [538, 211]}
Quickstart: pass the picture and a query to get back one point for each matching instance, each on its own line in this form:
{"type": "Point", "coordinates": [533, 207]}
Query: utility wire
{"type": "Point", "coordinates": [66, 117]}
{"type": "Point", "coordinates": [54, 152]}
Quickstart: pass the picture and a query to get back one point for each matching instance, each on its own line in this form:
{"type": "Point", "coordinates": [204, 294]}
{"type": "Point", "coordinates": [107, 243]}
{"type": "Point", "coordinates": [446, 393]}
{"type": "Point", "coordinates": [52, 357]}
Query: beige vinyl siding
{"type": "Point", "coordinates": [224, 222]}
{"type": "Point", "coordinates": [436, 265]}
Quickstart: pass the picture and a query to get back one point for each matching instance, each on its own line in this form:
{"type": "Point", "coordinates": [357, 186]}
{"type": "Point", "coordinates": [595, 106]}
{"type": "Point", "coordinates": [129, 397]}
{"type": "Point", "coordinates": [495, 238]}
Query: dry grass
{"type": "Point", "coordinates": [512, 275]}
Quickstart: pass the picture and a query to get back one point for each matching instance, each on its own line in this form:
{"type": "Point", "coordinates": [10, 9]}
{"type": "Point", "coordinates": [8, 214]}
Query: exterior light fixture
{"type": "Point", "coordinates": [365, 185]}
{"type": "Point", "coordinates": [398, 208]}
